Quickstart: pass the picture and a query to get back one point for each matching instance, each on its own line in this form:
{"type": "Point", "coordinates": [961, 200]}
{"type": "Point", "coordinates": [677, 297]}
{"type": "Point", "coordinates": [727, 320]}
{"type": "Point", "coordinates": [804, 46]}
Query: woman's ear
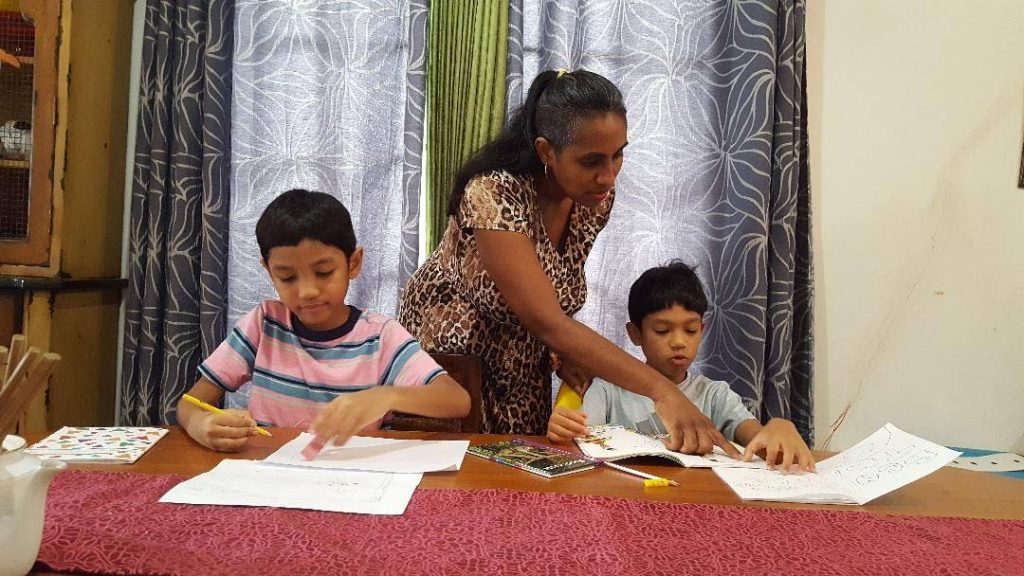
{"type": "Point", "coordinates": [545, 151]}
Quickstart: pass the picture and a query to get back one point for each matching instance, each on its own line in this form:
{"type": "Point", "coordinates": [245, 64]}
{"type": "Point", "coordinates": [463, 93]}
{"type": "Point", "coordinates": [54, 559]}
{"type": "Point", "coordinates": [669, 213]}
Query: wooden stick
{"type": "Point", "coordinates": [21, 368]}
{"type": "Point", "coordinates": [3, 364]}
{"type": "Point", "coordinates": [24, 386]}
{"type": "Point", "coordinates": [17, 349]}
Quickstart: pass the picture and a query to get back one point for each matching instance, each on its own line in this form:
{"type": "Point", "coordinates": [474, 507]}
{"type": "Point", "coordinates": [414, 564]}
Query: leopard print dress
{"type": "Point", "coordinates": [452, 306]}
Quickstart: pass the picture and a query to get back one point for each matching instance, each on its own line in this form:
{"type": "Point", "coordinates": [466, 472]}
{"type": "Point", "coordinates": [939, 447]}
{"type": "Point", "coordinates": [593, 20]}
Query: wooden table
{"type": "Point", "coordinates": [947, 492]}
{"type": "Point", "coordinates": [591, 522]}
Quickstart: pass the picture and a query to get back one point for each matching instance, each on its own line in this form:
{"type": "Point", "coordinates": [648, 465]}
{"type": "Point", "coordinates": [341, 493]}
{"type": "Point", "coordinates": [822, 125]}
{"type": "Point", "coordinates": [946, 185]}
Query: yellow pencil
{"type": "Point", "coordinates": [210, 408]}
{"type": "Point", "coordinates": [651, 479]}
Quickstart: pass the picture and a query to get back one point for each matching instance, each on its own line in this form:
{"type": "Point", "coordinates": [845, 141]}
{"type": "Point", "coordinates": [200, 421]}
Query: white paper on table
{"type": "Point", "coordinates": [251, 483]}
{"type": "Point", "coordinates": [888, 459]}
{"type": "Point", "coordinates": [376, 455]}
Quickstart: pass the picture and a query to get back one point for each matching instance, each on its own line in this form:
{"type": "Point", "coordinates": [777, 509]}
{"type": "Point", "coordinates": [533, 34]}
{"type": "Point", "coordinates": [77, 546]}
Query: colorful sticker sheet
{"type": "Point", "coordinates": [97, 444]}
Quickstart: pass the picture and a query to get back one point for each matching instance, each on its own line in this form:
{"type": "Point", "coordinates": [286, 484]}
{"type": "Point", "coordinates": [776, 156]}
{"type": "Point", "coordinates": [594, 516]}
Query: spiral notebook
{"type": "Point", "coordinates": [536, 458]}
{"type": "Point", "coordinates": [97, 444]}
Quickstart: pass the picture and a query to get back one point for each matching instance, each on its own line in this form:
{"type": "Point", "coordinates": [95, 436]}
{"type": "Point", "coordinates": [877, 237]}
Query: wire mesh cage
{"type": "Point", "coordinates": [17, 63]}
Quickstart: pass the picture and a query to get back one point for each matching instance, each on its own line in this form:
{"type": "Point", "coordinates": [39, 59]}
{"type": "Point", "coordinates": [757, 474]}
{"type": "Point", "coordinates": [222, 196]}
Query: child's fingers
{"type": "Point", "coordinates": [223, 444]}
{"type": "Point", "coordinates": [314, 447]}
{"type": "Point", "coordinates": [220, 430]}
{"type": "Point", "coordinates": [559, 432]}
{"type": "Point", "coordinates": [806, 460]}
{"type": "Point", "coordinates": [771, 454]}
{"type": "Point", "coordinates": [751, 450]}
{"type": "Point", "coordinates": [787, 458]}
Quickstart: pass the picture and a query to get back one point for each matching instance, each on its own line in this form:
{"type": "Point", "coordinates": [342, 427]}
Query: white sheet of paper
{"type": "Point", "coordinates": [251, 483]}
{"type": "Point", "coordinates": [376, 455]}
{"type": "Point", "coordinates": [888, 459]}
{"type": "Point", "coordinates": [751, 484]}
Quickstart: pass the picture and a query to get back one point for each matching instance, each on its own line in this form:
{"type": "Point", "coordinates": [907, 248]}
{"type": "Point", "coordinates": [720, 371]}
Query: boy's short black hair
{"type": "Point", "coordinates": [299, 215]}
{"type": "Point", "coordinates": [662, 286]}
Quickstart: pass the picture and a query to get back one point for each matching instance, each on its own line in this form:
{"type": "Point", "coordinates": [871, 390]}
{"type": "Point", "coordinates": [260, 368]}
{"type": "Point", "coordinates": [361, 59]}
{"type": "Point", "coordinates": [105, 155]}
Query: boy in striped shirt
{"type": "Point", "coordinates": [314, 361]}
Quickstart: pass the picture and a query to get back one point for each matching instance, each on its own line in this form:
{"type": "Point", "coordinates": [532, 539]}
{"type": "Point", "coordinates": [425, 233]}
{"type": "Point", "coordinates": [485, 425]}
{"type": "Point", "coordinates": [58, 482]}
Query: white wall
{"type": "Point", "coordinates": [916, 120]}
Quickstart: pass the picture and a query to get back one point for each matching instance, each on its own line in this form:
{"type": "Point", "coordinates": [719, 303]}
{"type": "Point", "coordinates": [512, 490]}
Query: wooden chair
{"type": "Point", "coordinates": [465, 369]}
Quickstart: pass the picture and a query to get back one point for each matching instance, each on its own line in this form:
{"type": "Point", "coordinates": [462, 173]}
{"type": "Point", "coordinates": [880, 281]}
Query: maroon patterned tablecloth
{"type": "Point", "coordinates": [111, 523]}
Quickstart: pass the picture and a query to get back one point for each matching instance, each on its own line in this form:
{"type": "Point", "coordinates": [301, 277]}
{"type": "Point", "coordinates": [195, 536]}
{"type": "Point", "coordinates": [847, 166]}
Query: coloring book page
{"type": "Point", "coordinates": [250, 483]}
{"type": "Point", "coordinates": [612, 442]}
{"type": "Point", "coordinates": [888, 459]}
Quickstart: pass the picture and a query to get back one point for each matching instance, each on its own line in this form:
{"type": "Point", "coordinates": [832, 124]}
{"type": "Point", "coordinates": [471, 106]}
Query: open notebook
{"type": "Point", "coordinates": [97, 444]}
{"type": "Point", "coordinates": [886, 460]}
{"type": "Point", "coordinates": [611, 442]}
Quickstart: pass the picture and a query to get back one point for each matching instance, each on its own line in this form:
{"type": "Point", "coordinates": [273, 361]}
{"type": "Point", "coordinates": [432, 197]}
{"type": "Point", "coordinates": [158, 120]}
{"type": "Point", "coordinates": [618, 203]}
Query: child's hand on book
{"type": "Point", "coordinates": [566, 424]}
{"type": "Point", "coordinates": [346, 415]}
{"type": "Point", "coordinates": [781, 446]}
{"type": "Point", "coordinates": [226, 432]}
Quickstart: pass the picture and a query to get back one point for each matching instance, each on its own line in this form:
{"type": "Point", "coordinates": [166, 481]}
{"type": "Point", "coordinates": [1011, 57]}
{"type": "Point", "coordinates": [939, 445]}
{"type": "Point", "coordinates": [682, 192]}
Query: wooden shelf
{"type": "Point", "coordinates": [5, 163]}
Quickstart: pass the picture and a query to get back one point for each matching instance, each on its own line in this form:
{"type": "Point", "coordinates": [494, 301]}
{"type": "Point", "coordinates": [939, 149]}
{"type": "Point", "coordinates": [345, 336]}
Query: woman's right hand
{"type": "Point", "coordinates": [227, 432]}
{"type": "Point", "coordinates": [690, 431]}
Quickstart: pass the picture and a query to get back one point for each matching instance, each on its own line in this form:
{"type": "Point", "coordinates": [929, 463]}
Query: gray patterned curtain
{"type": "Point", "coordinates": [329, 95]}
{"type": "Point", "coordinates": [174, 312]}
{"type": "Point", "coordinates": [716, 172]}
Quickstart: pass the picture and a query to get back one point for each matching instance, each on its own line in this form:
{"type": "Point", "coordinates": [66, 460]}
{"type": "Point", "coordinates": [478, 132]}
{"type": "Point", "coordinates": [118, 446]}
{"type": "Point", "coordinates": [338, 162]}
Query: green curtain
{"type": "Point", "coordinates": [467, 47]}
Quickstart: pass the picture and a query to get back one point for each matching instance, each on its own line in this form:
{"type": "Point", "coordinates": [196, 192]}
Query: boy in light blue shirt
{"type": "Point", "coordinates": [666, 319]}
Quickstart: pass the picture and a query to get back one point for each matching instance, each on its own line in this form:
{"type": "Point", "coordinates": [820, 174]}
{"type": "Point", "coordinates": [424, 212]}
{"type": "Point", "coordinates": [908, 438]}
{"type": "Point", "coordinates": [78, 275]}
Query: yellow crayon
{"type": "Point", "coordinates": [210, 408]}
{"type": "Point", "coordinates": [568, 397]}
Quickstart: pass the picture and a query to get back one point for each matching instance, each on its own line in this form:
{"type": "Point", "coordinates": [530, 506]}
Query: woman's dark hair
{"type": "Point", "coordinates": [555, 105]}
{"type": "Point", "coordinates": [299, 215]}
{"type": "Point", "coordinates": [660, 287]}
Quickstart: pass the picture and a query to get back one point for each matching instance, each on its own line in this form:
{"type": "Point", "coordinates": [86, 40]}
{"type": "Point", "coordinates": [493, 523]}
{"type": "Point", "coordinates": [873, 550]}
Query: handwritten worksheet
{"type": "Point", "coordinates": [376, 455]}
{"type": "Point", "coordinates": [888, 459]}
{"type": "Point", "coordinates": [251, 483]}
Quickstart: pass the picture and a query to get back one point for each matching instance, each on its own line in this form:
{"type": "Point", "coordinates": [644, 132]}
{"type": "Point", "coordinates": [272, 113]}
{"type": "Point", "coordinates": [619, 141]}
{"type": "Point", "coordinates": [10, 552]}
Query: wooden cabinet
{"type": "Point", "coordinates": [60, 245]}
{"type": "Point", "coordinates": [28, 126]}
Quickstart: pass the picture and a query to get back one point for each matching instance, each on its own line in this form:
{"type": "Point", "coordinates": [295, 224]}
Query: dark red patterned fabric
{"type": "Point", "coordinates": [111, 523]}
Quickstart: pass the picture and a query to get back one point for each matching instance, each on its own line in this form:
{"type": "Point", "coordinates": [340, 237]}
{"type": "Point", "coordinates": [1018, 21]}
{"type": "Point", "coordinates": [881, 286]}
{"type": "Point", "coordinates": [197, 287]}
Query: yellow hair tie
{"type": "Point", "coordinates": [562, 72]}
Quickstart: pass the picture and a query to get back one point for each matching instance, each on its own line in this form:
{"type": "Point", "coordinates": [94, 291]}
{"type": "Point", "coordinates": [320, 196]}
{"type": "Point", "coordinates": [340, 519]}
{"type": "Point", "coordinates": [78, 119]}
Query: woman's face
{"type": "Point", "coordinates": [586, 169]}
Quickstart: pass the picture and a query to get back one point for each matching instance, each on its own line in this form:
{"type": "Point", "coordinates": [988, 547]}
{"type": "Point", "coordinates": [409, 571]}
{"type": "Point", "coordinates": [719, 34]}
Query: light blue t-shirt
{"type": "Point", "coordinates": [606, 403]}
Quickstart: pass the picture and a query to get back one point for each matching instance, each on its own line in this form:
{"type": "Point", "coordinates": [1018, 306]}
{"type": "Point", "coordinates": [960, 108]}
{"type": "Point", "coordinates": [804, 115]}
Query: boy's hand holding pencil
{"type": "Point", "coordinates": [222, 430]}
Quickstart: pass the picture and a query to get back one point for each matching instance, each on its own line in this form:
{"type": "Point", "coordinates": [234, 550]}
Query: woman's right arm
{"type": "Point", "coordinates": [511, 261]}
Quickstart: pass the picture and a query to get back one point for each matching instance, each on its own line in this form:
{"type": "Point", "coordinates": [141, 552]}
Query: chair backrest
{"type": "Point", "coordinates": [465, 369]}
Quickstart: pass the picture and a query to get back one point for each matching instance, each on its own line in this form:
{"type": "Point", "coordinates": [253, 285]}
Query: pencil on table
{"type": "Point", "coordinates": [211, 408]}
{"type": "Point", "coordinates": [656, 480]}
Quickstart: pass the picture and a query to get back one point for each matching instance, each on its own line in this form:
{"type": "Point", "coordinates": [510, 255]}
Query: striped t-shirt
{"type": "Point", "coordinates": [295, 370]}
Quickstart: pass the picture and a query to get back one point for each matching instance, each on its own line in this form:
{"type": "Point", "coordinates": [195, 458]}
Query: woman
{"type": "Point", "coordinates": [509, 272]}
